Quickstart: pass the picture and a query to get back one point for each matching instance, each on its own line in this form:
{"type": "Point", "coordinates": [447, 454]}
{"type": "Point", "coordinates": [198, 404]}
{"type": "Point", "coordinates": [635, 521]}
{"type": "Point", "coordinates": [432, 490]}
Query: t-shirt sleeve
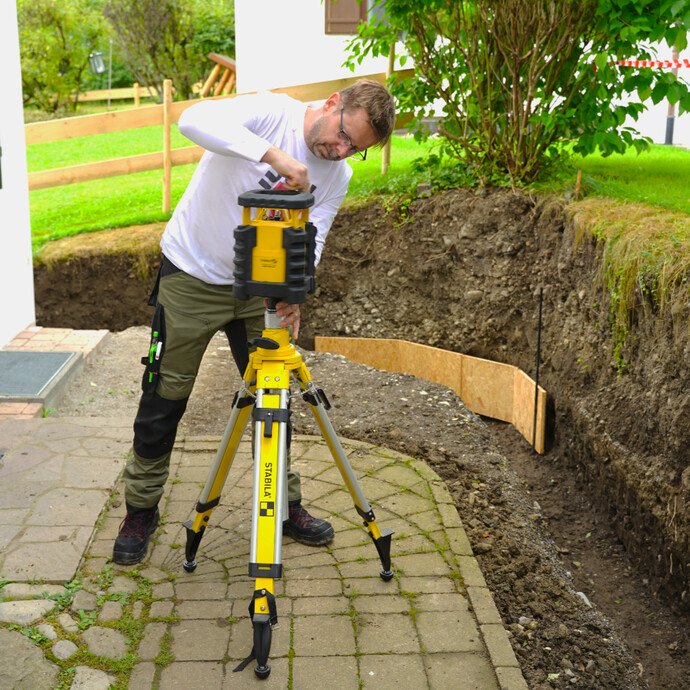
{"type": "Point", "coordinates": [323, 214]}
{"type": "Point", "coordinates": [232, 127]}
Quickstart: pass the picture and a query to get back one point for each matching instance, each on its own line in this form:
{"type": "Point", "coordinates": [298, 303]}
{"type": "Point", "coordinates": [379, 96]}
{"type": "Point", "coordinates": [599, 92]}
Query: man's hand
{"type": "Point", "coordinates": [295, 173]}
{"type": "Point", "coordinates": [289, 313]}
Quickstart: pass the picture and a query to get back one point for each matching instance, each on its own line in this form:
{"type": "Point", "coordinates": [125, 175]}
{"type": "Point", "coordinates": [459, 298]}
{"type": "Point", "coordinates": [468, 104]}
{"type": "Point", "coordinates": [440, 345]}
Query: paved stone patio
{"type": "Point", "coordinates": [433, 626]}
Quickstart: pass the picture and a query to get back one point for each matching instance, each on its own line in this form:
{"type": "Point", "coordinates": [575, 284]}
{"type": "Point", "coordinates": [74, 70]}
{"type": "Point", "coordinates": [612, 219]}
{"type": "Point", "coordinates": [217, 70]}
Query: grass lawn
{"type": "Point", "coordinates": [137, 198]}
{"type": "Point", "coordinates": [660, 177]}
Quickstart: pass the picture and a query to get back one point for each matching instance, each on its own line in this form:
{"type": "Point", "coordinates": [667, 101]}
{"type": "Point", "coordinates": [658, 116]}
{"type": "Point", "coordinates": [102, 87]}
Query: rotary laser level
{"type": "Point", "coordinates": [275, 247]}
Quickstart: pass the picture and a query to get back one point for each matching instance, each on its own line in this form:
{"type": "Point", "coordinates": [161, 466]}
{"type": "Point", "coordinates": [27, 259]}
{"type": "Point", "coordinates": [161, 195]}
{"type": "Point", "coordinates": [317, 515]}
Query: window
{"type": "Point", "coordinates": [344, 16]}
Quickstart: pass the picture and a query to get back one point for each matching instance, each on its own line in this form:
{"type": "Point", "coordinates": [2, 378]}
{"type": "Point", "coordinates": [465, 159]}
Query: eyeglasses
{"type": "Point", "coordinates": [360, 155]}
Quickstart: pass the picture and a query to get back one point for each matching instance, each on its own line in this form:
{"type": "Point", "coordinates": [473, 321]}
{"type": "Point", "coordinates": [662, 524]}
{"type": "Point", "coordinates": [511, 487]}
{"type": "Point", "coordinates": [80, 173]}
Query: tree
{"type": "Point", "coordinates": [169, 39]}
{"type": "Point", "coordinates": [517, 79]}
{"type": "Point", "coordinates": [56, 38]}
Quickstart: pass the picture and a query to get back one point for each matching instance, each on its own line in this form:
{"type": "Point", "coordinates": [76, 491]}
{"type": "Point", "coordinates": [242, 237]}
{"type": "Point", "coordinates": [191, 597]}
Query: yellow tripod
{"type": "Point", "coordinates": [265, 394]}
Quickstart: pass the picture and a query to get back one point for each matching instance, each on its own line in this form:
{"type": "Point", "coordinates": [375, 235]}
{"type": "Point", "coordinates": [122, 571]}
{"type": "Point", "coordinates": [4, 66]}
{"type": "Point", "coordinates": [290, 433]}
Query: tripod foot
{"type": "Point", "coordinates": [386, 575]}
{"type": "Point", "coordinates": [189, 567]}
{"type": "Point", "coordinates": [262, 671]}
{"type": "Point", "coordinates": [262, 646]}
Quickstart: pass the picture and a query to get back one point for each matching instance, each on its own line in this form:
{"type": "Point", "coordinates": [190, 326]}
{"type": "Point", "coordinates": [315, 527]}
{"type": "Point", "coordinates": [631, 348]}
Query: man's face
{"type": "Point", "coordinates": [329, 139]}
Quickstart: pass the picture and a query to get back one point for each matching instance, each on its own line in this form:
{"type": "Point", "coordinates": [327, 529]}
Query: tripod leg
{"type": "Point", "coordinates": [270, 471]}
{"type": "Point", "coordinates": [210, 494]}
{"type": "Point", "coordinates": [319, 404]}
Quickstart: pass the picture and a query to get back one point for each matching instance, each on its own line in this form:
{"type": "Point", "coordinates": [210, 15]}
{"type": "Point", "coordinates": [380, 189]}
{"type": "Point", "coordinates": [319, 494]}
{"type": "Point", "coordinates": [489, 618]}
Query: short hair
{"type": "Point", "coordinates": [376, 100]}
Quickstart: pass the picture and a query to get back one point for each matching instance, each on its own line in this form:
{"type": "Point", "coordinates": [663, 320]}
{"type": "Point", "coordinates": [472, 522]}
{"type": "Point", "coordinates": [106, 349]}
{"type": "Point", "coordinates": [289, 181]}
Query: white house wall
{"type": "Point", "coordinates": [16, 271]}
{"type": "Point", "coordinates": [652, 122]}
{"type": "Point", "coordinates": [281, 43]}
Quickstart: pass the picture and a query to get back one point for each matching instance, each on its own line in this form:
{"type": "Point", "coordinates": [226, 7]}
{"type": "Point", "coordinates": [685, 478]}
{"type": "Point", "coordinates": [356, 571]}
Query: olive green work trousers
{"type": "Point", "coordinates": [188, 313]}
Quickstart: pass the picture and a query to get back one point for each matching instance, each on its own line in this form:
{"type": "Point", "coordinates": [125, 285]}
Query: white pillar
{"type": "Point", "coordinates": [17, 309]}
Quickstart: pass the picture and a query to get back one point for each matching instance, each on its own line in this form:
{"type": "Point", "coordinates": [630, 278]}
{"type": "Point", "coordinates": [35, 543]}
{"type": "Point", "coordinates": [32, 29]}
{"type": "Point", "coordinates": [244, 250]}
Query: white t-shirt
{"type": "Point", "coordinates": [236, 134]}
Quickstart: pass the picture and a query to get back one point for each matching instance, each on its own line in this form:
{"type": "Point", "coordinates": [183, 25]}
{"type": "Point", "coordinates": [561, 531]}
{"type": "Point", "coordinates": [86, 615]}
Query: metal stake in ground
{"type": "Point", "coordinates": [536, 377]}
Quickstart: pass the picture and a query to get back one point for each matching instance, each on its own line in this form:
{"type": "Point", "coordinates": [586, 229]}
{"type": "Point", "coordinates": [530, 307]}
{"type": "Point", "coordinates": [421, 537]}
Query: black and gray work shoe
{"type": "Point", "coordinates": [305, 528]}
{"type": "Point", "coordinates": [135, 531]}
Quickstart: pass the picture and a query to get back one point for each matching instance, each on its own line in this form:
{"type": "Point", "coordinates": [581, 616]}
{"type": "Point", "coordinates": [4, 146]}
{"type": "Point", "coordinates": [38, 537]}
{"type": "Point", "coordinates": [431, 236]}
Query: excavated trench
{"type": "Point", "coordinates": [463, 271]}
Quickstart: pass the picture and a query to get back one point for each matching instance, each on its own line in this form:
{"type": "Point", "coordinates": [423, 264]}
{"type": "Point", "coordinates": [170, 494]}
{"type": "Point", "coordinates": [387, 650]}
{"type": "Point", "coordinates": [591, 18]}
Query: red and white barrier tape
{"type": "Point", "coordinates": [654, 63]}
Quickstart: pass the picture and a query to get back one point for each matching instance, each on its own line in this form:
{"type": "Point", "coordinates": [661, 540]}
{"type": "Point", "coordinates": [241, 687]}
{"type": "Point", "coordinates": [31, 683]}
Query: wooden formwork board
{"type": "Point", "coordinates": [493, 389]}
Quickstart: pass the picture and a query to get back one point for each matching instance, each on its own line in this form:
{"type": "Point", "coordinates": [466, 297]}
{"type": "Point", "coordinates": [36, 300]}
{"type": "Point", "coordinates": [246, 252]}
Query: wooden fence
{"type": "Point", "coordinates": [167, 114]}
{"type": "Point", "coordinates": [134, 93]}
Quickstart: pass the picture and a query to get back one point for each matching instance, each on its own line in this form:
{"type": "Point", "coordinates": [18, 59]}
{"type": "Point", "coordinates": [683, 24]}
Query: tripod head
{"type": "Point", "coordinates": [275, 247]}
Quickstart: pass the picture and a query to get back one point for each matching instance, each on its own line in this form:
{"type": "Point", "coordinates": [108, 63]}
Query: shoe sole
{"type": "Point", "coordinates": [317, 540]}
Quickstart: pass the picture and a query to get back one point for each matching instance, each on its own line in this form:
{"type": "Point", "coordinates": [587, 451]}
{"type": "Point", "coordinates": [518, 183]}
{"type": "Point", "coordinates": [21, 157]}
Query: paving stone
{"type": "Point", "coordinates": [150, 645]}
{"type": "Point", "coordinates": [64, 649]}
{"type": "Point", "coordinates": [42, 561]}
{"type": "Point", "coordinates": [8, 533]}
{"type": "Point", "coordinates": [121, 583]}
{"type": "Point", "coordinates": [313, 588]}
{"type": "Point", "coordinates": [381, 604]}
{"type": "Point", "coordinates": [310, 606]}
{"type": "Point", "coordinates": [84, 601]}
{"type": "Point", "coordinates": [29, 668]}
{"type": "Point", "coordinates": [21, 590]}
{"type": "Point", "coordinates": [163, 609]}
{"type": "Point", "coordinates": [182, 676]}
{"type": "Point", "coordinates": [471, 574]}
{"type": "Point", "coordinates": [391, 633]}
{"type": "Point", "coordinates": [86, 678]}
{"type": "Point", "coordinates": [137, 609]}
{"type": "Point", "coordinates": [459, 541]}
{"type": "Point", "coordinates": [369, 585]}
{"type": "Point", "coordinates": [422, 564]}
{"type": "Point", "coordinates": [163, 591]}
{"type": "Point", "coordinates": [323, 636]}
{"type": "Point", "coordinates": [153, 574]}
{"type": "Point", "coordinates": [444, 670]}
{"type": "Point", "coordinates": [67, 623]}
{"type": "Point", "coordinates": [201, 590]}
{"type": "Point", "coordinates": [201, 609]}
{"type": "Point", "coordinates": [25, 612]}
{"type": "Point", "coordinates": [392, 671]}
{"type": "Point", "coordinates": [449, 515]}
{"type": "Point", "coordinates": [426, 585]}
{"type": "Point", "coordinates": [447, 601]}
{"type": "Point", "coordinates": [511, 679]}
{"type": "Point", "coordinates": [483, 606]}
{"type": "Point", "coordinates": [465, 637]}
{"type": "Point", "coordinates": [47, 631]}
{"type": "Point", "coordinates": [105, 642]}
{"type": "Point", "coordinates": [111, 611]}
{"type": "Point", "coordinates": [428, 521]}
{"type": "Point", "coordinates": [199, 640]}
{"type": "Point", "coordinates": [308, 673]}
{"type": "Point", "coordinates": [142, 676]}
{"type": "Point", "coordinates": [497, 643]}
{"type": "Point", "coordinates": [67, 507]}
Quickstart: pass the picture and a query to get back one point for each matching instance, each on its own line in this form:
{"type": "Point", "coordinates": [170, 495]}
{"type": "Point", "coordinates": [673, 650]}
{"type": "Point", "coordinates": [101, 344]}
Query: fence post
{"type": "Point", "coordinates": [386, 152]}
{"type": "Point", "coordinates": [167, 160]}
{"type": "Point", "coordinates": [137, 95]}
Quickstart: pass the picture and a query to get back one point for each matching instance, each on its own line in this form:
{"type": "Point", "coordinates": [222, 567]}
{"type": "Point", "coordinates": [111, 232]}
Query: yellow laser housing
{"type": "Point", "coordinates": [275, 247]}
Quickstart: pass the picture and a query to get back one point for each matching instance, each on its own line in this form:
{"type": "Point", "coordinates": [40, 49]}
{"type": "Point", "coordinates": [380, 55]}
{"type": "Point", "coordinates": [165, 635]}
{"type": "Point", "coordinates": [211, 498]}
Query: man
{"type": "Point", "coordinates": [267, 141]}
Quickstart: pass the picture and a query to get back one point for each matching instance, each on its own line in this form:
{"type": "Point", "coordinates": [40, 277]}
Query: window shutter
{"type": "Point", "coordinates": [344, 16]}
